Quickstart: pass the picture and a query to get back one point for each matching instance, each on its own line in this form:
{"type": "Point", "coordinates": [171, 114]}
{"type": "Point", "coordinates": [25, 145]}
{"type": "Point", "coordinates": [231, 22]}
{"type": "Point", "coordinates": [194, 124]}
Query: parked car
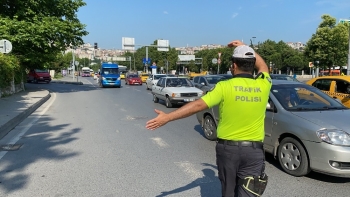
{"type": "Point", "coordinates": [175, 91]}
{"type": "Point", "coordinates": [133, 79]}
{"type": "Point", "coordinates": [206, 82]}
{"type": "Point", "coordinates": [283, 77]}
{"type": "Point", "coordinates": [311, 135]}
{"type": "Point", "coordinates": [335, 86]}
{"type": "Point", "coordinates": [153, 79]}
{"type": "Point", "coordinates": [37, 75]}
{"type": "Point", "coordinates": [144, 77]}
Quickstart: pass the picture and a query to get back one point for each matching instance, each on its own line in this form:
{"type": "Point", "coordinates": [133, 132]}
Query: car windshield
{"type": "Point", "coordinates": [178, 82]}
{"type": "Point", "coordinates": [301, 97]}
{"type": "Point", "coordinates": [283, 77]}
{"type": "Point", "coordinates": [159, 76]}
{"type": "Point", "coordinates": [40, 71]}
{"type": "Point", "coordinates": [133, 76]}
{"type": "Point", "coordinates": [214, 79]}
{"type": "Point", "coordinates": [170, 75]}
{"type": "Point", "coordinates": [226, 77]}
{"type": "Point", "coordinates": [108, 71]}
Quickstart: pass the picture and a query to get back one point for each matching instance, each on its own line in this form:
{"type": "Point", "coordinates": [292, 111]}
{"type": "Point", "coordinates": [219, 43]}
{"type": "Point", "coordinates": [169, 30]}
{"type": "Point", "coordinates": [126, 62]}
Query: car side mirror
{"type": "Point", "coordinates": [268, 106]}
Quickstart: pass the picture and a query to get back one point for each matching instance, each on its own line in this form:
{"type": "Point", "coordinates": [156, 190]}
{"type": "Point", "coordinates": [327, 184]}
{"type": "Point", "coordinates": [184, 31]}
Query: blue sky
{"type": "Point", "coordinates": [199, 22]}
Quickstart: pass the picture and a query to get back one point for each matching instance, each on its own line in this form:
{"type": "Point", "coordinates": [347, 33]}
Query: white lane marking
{"type": "Point", "coordinates": [29, 125]}
{"type": "Point", "coordinates": [160, 142]}
{"type": "Point", "coordinates": [130, 118]}
{"type": "Point", "coordinates": [193, 172]}
{"type": "Point", "coordinates": [117, 131]}
{"type": "Point", "coordinates": [149, 93]}
{"type": "Point", "coordinates": [138, 90]}
{"type": "Point", "coordinates": [122, 109]}
{"type": "Point", "coordinates": [90, 82]}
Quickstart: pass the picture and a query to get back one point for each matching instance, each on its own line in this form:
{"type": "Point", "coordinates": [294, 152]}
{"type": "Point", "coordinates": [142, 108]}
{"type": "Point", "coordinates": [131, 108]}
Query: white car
{"type": "Point", "coordinates": [153, 79]}
{"type": "Point", "coordinates": [175, 91]}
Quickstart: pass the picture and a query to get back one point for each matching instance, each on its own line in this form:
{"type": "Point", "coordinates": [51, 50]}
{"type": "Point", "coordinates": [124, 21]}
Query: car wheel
{"type": "Point", "coordinates": [35, 80]}
{"type": "Point", "coordinates": [155, 99]}
{"type": "Point", "coordinates": [293, 158]}
{"type": "Point", "coordinates": [209, 128]}
{"type": "Point", "coordinates": [126, 83]}
{"type": "Point", "coordinates": [168, 103]}
{"type": "Point", "coordinates": [147, 87]}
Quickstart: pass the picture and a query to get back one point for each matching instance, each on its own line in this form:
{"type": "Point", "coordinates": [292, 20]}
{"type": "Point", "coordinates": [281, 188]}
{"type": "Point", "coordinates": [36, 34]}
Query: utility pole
{"type": "Point", "coordinates": [73, 63]}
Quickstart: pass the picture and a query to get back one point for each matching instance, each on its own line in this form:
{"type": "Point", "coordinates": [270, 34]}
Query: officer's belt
{"type": "Point", "coordinates": [241, 143]}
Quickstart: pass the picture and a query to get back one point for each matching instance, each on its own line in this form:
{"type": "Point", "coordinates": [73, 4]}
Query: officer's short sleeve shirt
{"type": "Point", "coordinates": [242, 104]}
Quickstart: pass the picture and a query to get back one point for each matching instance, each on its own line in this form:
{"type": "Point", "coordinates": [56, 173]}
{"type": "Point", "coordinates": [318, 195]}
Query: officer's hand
{"type": "Point", "coordinates": [159, 121]}
{"type": "Point", "coordinates": [235, 43]}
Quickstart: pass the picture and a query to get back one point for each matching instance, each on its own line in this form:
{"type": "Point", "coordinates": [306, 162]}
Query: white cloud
{"type": "Point", "coordinates": [234, 15]}
{"type": "Point", "coordinates": [165, 12]}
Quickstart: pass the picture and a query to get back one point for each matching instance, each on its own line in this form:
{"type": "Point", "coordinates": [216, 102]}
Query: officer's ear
{"type": "Point", "coordinates": [233, 66]}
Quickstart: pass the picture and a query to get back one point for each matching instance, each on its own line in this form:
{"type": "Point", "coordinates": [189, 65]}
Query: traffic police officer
{"type": "Point", "coordinates": [242, 103]}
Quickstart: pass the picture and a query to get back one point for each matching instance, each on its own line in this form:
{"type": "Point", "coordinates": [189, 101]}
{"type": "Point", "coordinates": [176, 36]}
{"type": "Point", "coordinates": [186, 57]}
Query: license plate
{"type": "Point", "coordinates": [136, 83]}
{"type": "Point", "coordinates": [187, 100]}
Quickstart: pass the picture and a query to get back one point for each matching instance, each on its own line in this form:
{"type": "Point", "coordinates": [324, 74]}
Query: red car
{"type": "Point", "coordinates": [133, 79]}
{"type": "Point", "coordinates": [36, 75]}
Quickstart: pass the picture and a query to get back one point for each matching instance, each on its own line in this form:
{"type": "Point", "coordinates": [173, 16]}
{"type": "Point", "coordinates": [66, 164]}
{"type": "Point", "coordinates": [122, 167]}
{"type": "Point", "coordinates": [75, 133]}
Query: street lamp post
{"type": "Point", "coordinates": [253, 42]}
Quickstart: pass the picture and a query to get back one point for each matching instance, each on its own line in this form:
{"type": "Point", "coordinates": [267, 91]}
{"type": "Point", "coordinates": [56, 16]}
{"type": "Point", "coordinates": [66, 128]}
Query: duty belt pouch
{"type": "Point", "coordinates": [255, 184]}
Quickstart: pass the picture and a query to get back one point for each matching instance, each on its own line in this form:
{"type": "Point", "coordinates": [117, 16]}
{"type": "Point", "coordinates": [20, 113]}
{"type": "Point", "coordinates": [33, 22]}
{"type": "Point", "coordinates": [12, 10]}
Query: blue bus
{"type": "Point", "coordinates": [109, 75]}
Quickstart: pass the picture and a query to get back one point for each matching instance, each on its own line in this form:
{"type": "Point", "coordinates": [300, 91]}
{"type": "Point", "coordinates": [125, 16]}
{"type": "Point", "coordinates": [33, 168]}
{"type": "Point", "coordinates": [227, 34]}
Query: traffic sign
{"type": "Point", "coordinates": [146, 61]}
{"type": "Point", "coordinates": [214, 61]}
{"type": "Point", "coordinates": [5, 46]}
{"type": "Point", "coordinates": [311, 64]}
{"type": "Point", "coordinates": [76, 63]}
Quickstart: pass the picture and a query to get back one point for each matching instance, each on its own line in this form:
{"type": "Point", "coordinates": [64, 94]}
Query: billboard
{"type": "Point", "coordinates": [183, 58]}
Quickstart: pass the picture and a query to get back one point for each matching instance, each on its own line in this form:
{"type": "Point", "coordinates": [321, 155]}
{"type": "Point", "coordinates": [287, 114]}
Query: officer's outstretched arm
{"type": "Point", "coordinates": [183, 112]}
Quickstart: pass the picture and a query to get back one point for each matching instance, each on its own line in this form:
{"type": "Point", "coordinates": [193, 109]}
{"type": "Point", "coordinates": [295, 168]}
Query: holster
{"type": "Point", "coordinates": [254, 184]}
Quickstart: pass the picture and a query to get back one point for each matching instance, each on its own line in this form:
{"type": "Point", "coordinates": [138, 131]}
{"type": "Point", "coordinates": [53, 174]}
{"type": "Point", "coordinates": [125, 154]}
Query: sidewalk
{"type": "Point", "coordinates": [17, 107]}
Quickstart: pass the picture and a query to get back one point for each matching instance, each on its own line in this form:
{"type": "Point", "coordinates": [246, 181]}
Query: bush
{"type": "Point", "coordinates": [9, 70]}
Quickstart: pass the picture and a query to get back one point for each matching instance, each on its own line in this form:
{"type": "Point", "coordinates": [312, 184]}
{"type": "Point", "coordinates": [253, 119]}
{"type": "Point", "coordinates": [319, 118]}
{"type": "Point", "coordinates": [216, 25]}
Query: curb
{"type": "Point", "coordinates": [6, 128]}
{"type": "Point", "coordinates": [68, 82]}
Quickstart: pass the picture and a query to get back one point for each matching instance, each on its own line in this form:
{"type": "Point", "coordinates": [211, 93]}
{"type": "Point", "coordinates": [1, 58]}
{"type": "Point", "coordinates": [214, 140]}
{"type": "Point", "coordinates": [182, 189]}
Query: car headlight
{"type": "Point", "coordinates": [200, 93]}
{"type": "Point", "coordinates": [118, 78]}
{"type": "Point", "coordinates": [103, 78]}
{"type": "Point", "coordinates": [334, 136]}
{"type": "Point", "coordinates": [175, 95]}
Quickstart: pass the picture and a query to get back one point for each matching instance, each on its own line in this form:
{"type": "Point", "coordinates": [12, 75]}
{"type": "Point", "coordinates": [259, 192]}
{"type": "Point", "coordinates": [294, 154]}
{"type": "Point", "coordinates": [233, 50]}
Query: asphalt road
{"type": "Point", "coordinates": [89, 141]}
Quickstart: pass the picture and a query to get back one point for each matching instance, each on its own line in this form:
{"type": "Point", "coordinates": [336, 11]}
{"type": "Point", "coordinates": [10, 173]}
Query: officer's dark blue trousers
{"type": "Point", "coordinates": [235, 161]}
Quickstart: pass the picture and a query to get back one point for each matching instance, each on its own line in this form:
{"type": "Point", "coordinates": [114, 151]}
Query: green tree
{"type": "Point", "coordinates": [329, 45]}
{"type": "Point", "coordinates": [39, 30]}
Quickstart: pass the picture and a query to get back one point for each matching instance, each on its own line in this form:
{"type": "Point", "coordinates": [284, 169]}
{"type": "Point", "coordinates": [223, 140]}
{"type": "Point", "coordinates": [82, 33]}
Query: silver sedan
{"type": "Point", "coordinates": [305, 129]}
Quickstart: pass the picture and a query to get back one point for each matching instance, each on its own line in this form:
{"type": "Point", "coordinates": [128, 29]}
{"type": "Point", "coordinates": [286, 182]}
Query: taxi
{"type": "Point", "coordinates": [335, 86]}
{"type": "Point", "coordinates": [144, 77]}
